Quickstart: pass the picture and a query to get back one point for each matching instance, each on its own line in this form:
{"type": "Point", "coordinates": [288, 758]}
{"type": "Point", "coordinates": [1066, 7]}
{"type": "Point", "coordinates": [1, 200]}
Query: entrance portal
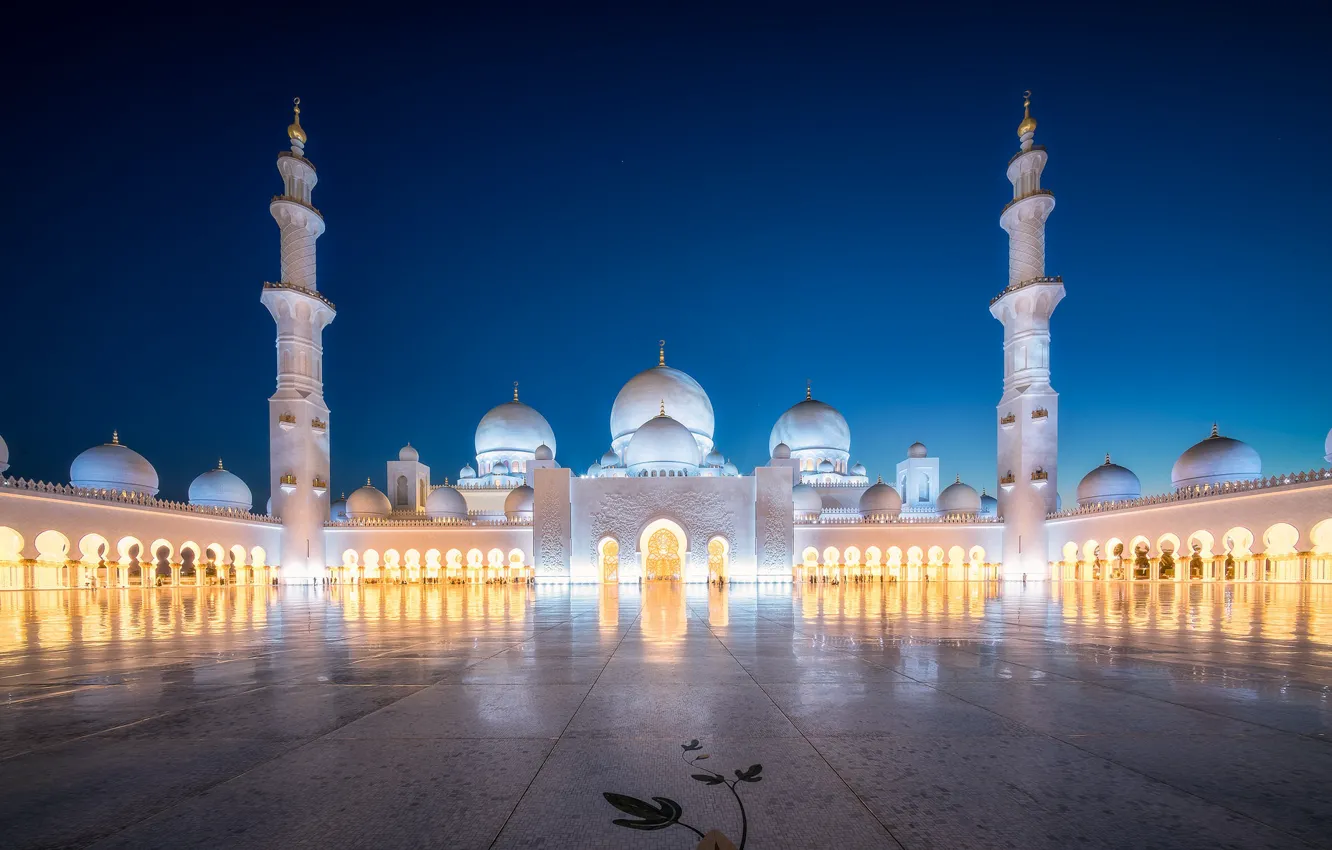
{"type": "Point", "coordinates": [663, 556]}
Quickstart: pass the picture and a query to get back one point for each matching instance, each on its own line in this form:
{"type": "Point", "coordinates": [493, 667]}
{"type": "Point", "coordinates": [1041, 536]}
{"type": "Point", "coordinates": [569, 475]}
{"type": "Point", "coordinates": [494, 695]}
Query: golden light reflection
{"type": "Point", "coordinates": [663, 617]}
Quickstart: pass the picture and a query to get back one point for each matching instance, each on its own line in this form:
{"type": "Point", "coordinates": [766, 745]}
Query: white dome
{"type": "Point", "coordinates": [112, 466]}
{"type": "Point", "coordinates": [1216, 460]}
{"type": "Point", "coordinates": [513, 427]}
{"type": "Point", "coordinates": [781, 451]}
{"type": "Point", "coordinates": [807, 500]}
{"type": "Point", "coordinates": [959, 498]}
{"type": "Point", "coordinates": [408, 453]}
{"type": "Point", "coordinates": [989, 505]}
{"type": "Point", "coordinates": [500, 468]}
{"type": "Point", "coordinates": [640, 401]}
{"type": "Point", "coordinates": [811, 424]}
{"type": "Point", "coordinates": [337, 510]}
{"type": "Point", "coordinates": [610, 459]}
{"type": "Point", "coordinates": [466, 472]}
{"type": "Point", "coordinates": [729, 468]}
{"type": "Point", "coordinates": [4, 454]}
{"type": "Point", "coordinates": [714, 458]}
{"type": "Point", "coordinates": [219, 488]}
{"type": "Point", "coordinates": [445, 503]}
{"type": "Point", "coordinates": [367, 502]}
{"type": "Point", "coordinates": [1108, 482]}
{"type": "Point", "coordinates": [543, 452]}
{"type": "Point", "coordinates": [825, 466]}
{"type": "Point", "coordinates": [880, 500]}
{"type": "Point", "coordinates": [661, 441]}
{"type": "Point", "coordinates": [858, 469]}
{"type": "Point", "coordinates": [916, 450]}
{"type": "Point", "coordinates": [518, 504]}
{"type": "Point", "coordinates": [594, 470]}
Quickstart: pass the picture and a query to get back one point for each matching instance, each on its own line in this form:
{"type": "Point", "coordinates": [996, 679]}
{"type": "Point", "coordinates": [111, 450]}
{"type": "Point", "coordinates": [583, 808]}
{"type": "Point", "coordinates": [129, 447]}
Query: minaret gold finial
{"type": "Point", "coordinates": [219, 463]}
{"type": "Point", "coordinates": [663, 408]}
{"type": "Point", "coordinates": [1028, 124]}
{"type": "Point", "coordinates": [515, 390]}
{"type": "Point", "coordinates": [367, 480]}
{"type": "Point", "coordinates": [294, 130]}
{"type": "Point", "coordinates": [1215, 433]}
{"type": "Point", "coordinates": [957, 479]}
{"type": "Point", "coordinates": [115, 438]}
{"type": "Point", "coordinates": [1107, 458]}
{"type": "Point", "coordinates": [809, 389]}
{"type": "Point", "coordinates": [661, 352]}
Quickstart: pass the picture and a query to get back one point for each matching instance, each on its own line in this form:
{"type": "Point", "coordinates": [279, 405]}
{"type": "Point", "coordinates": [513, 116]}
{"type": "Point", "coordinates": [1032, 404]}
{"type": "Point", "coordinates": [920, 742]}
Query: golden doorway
{"type": "Point", "coordinates": [610, 561]}
{"type": "Point", "coordinates": [663, 555]}
{"type": "Point", "coordinates": [716, 559]}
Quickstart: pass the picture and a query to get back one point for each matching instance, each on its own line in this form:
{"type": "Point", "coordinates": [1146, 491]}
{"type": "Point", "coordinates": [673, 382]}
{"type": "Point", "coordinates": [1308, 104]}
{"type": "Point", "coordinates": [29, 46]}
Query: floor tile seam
{"type": "Point", "coordinates": [1053, 737]}
{"type": "Point", "coordinates": [810, 744]}
{"type": "Point", "coordinates": [284, 753]}
{"type": "Point", "coordinates": [546, 758]}
{"type": "Point", "coordinates": [132, 723]}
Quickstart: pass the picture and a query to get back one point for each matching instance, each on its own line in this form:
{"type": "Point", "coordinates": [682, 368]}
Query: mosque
{"type": "Point", "coordinates": [664, 502]}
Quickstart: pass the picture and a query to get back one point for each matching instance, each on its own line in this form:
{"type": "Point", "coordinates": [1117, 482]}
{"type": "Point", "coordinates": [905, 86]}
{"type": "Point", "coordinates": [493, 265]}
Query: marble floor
{"type": "Point", "coordinates": [940, 716]}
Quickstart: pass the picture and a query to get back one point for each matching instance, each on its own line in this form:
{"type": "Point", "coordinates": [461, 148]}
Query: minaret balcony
{"type": "Point", "coordinates": [288, 484]}
{"type": "Point", "coordinates": [1008, 482]}
{"type": "Point", "coordinates": [1007, 422]}
{"type": "Point", "coordinates": [291, 287]}
{"type": "Point", "coordinates": [1040, 414]}
{"type": "Point", "coordinates": [1040, 478]}
{"type": "Point", "coordinates": [287, 421]}
{"type": "Point", "coordinates": [1032, 194]}
{"type": "Point", "coordinates": [319, 425]}
{"type": "Point", "coordinates": [292, 199]}
{"type": "Point", "coordinates": [1024, 284]}
{"type": "Point", "coordinates": [319, 486]}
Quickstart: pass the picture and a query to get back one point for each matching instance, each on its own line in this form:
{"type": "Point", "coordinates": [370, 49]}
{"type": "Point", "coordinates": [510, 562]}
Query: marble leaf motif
{"type": "Point", "coordinates": [776, 526]}
{"type": "Point", "coordinates": [701, 515]}
{"type": "Point", "coordinates": [553, 532]}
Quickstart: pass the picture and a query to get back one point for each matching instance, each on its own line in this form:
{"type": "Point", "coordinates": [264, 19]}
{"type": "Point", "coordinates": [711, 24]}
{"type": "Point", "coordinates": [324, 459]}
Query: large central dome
{"type": "Point", "coordinates": [641, 399]}
{"type": "Point", "coordinates": [513, 427]}
{"type": "Point", "coordinates": [812, 425]}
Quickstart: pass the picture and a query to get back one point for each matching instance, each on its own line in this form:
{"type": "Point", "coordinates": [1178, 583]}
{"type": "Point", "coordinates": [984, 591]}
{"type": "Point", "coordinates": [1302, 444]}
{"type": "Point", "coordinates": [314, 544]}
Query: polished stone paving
{"type": "Point", "coordinates": [939, 716]}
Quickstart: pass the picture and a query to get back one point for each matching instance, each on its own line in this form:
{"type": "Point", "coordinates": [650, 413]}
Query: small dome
{"type": "Point", "coordinates": [858, 469]}
{"type": "Point", "coordinates": [1216, 460]}
{"type": "Point", "coordinates": [466, 472]}
{"type": "Point", "coordinates": [4, 454]}
{"type": "Point", "coordinates": [518, 504]}
{"type": "Point", "coordinates": [501, 468]}
{"type": "Point", "coordinates": [661, 441]}
{"type": "Point", "coordinates": [337, 510]}
{"type": "Point", "coordinates": [880, 500]}
{"type": "Point", "coordinates": [714, 458]}
{"type": "Point", "coordinates": [989, 505]}
{"type": "Point", "coordinates": [639, 399]}
{"type": "Point", "coordinates": [543, 452]}
{"type": "Point", "coordinates": [811, 424]}
{"type": "Point", "coordinates": [219, 488]}
{"type": "Point", "coordinates": [825, 466]}
{"type": "Point", "coordinates": [513, 427]}
{"type": "Point", "coordinates": [610, 459]}
{"type": "Point", "coordinates": [408, 453]}
{"type": "Point", "coordinates": [781, 451]}
{"type": "Point", "coordinates": [594, 470]}
{"type": "Point", "coordinates": [1108, 482]}
{"type": "Point", "coordinates": [807, 500]}
{"type": "Point", "coordinates": [112, 466]}
{"type": "Point", "coordinates": [445, 503]}
{"type": "Point", "coordinates": [729, 468]}
{"type": "Point", "coordinates": [959, 498]}
{"type": "Point", "coordinates": [916, 450]}
{"type": "Point", "coordinates": [367, 503]}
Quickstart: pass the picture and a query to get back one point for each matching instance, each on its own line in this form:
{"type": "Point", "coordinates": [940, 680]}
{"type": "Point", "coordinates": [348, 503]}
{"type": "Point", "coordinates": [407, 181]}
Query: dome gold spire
{"type": "Point", "coordinates": [809, 389]}
{"type": "Point", "coordinates": [115, 437]}
{"type": "Point", "coordinates": [1028, 124]}
{"type": "Point", "coordinates": [219, 463]}
{"type": "Point", "coordinates": [1215, 433]}
{"type": "Point", "coordinates": [515, 395]}
{"type": "Point", "coordinates": [661, 352]}
{"type": "Point", "coordinates": [663, 408]}
{"type": "Point", "coordinates": [294, 130]}
{"type": "Point", "coordinates": [1107, 458]}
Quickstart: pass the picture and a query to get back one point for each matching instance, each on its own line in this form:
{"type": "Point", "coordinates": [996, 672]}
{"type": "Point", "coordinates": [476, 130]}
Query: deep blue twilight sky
{"type": "Point", "coordinates": [782, 195]}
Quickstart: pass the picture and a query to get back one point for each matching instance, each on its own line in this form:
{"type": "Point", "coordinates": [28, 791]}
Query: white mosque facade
{"type": "Point", "coordinates": [664, 502]}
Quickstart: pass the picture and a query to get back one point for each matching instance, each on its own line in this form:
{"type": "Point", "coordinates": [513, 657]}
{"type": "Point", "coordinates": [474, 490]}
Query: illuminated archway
{"type": "Point", "coordinates": [608, 560]}
{"type": "Point", "coordinates": [718, 558]}
{"type": "Point", "coordinates": [663, 546]}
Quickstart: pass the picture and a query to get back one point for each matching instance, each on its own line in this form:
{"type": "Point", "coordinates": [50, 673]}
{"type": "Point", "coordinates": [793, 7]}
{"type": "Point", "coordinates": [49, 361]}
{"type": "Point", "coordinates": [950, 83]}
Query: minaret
{"type": "Point", "coordinates": [297, 415]}
{"type": "Point", "coordinates": [1028, 415]}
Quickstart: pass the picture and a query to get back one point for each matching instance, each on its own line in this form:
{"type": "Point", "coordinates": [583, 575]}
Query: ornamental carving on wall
{"type": "Point", "coordinates": [553, 531]}
{"type": "Point", "coordinates": [775, 526]}
{"type": "Point", "coordinates": [701, 515]}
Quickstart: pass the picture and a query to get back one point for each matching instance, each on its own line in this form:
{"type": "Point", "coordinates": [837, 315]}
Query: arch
{"type": "Point", "coordinates": [517, 560]}
{"type": "Point", "coordinates": [831, 556]}
{"type": "Point", "coordinates": [238, 555]}
{"type": "Point", "coordinates": [215, 553]}
{"type": "Point", "coordinates": [719, 558]}
{"type": "Point", "coordinates": [193, 548]}
{"type": "Point", "coordinates": [851, 556]}
{"type": "Point", "coordinates": [1070, 552]}
{"type": "Point", "coordinates": [1169, 539]}
{"type": "Point", "coordinates": [412, 559]}
{"type": "Point", "coordinates": [453, 560]}
{"type": "Point", "coordinates": [1321, 535]}
{"type": "Point", "coordinates": [258, 557]}
{"type": "Point", "coordinates": [130, 550]}
{"type": "Point", "coordinates": [608, 559]}
{"type": "Point", "coordinates": [432, 559]}
{"type": "Point", "coordinates": [894, 556]}
{"type": "Point", "coordinates": [370, 558]}
{"type": "Point", "coordinates": [93, 548]}
{"type": "Point", "coordinates": [1238, 541]}
{"type": "Point", "coordinates": [350, 559]}
{"type": "Point", "coordinates": [935, 556]}
{"type": "Point", "coordinates": [155, 548]}
{"type": "Point", "coordinates": [1280, 539]}
{"type": "Point", "coordinates": [1091, 551]}
{"type": "Point", "coordinates": [400, 491]}
{"type": "Point", "coordinates": [474, 559]}
{"type": "Point", "coordinates": [977, 555]}
{"type": "Point", "coordinates": [495, 558]}
{"type": "Point", "coordinates": [915, 556]}
{"type": "Point", "coordinates": [11, 544]}
{"type": "Point", "coordinates": [1205, 542]}
{"type": "Point", "coordinates": [52, 547]}
{"type": "Point", "coordinates": [957, 556]}
{"type": "Point", "coordinates": [392, 559]}
{"type": "Point", "coordinates": [663, 557]}
{"type": "Point", "coordinates": [873, 556]}
{"type": "Point", "coordinates": [810, 557]}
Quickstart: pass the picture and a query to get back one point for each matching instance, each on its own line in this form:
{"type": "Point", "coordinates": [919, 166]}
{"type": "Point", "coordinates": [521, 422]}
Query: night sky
{"type": "Point", "coordinates": [782, 195]}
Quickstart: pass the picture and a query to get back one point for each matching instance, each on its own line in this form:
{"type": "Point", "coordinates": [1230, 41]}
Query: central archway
{"type": "Point", "coordinates": [662, 546]}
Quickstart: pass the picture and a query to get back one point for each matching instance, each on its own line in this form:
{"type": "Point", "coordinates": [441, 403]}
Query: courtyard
{"type": "Point", "coordinates": [939, 715]}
